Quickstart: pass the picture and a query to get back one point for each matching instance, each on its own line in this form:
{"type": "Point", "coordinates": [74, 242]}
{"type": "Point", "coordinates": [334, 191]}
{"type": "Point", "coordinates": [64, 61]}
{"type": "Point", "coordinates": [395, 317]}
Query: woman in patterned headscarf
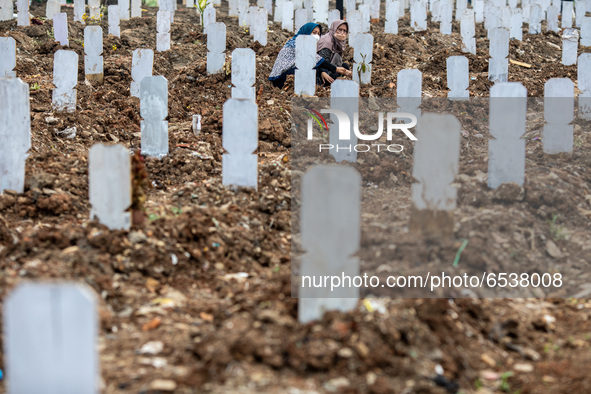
{"type": "Point", "coordinates": [331, 47]}
{"type": "Point", "coordinates": [285, 62]}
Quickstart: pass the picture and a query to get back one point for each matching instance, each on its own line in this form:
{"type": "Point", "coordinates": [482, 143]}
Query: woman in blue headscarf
{"type": "Point", "coordinates": [285, 62]}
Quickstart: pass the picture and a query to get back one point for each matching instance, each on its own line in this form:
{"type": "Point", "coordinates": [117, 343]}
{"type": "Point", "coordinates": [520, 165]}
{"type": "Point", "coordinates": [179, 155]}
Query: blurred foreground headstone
{"type": "Point", "coordinates": [331, 235]}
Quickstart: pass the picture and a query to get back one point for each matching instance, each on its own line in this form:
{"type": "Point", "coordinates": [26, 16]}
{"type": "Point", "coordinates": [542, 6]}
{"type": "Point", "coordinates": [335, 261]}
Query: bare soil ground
{"type": "Point", "coordinates": [173, 278]}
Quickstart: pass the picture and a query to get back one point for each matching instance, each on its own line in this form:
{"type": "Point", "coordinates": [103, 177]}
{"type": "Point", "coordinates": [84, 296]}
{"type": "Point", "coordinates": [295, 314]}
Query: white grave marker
{"type": "Point", "coordinates": [355, 22]}
{"type": "Point", "coordinates": [244, 74]}
{"type": "Point", "coordinates": [123, 10]}
{"type": "Point", "coordinates": [570, 44]}
{"type": "Point", "coordinates": [65, 78]}
{"type": "Point", "coordinates": [446, 16]}
{"type": "Point", "coordinates": [240, 140]}
{"type": "Point", "coordinates": [209, 17]}
{"type": "Point", "coordinates": [154, 110]}
{"type": "Point", "coordinates": [259, 27]}
{"type": "Point", "coordinates": [478, 11]}
{"type": "Point", "coordinates": [535, 19]}
{"type": "Point", "coordinates": [362, 58]}
{"type": "Point", "coordinates": [435, 166]}
{"type": "Point", "coordinates": [586, 32]}
{"type": "Point", "coordinates": [136, 8]}
{"type": "Point", "coordinates": [584, 84]}
{"type": "Point", "coordinates": [142, 63]}
{"type": "Point", "coordinates": [8, 58]}
{"type": "Point", "coordinates": [559, 107]}
{"type": "Point", "coordinates": [114, 16]}
{"type": "Point", "coordinates": [392, 9]}
{"type": "Point", "coordinates": [461, 6]}
{"type": "Point", "coordinates": [409, 90]}
{"type": "Point", "coordinates": [498, 65]}
{"type": "Point", "coordinates": [333, 15]}
{"type": "Point", "coordinates": [506, 152]}
{"type": "Point", "coordinates": [60, 28]}
{"type": "Point", "coordinates": [418, 16]}
{"type": "Point", "coordinates": [365, 18]}
{"type": "Point", "coordinates": [109, 185]}
{"type": "Point", "coordinates": [567, 15]}
{"type": "Point", "coordinates": [305, 61]}
{"type": "Point", "coordinates": [331, 235]}
{"type": "Point", "coordinates": [516, 28]}
{"type": "Point", "coordinates": [301, 18]}
{"type": "Point", "coordinates": [468, 31]}
{"type": "Point", "coordinates": [216, 45]}
{"type": "Point", "coordinates": [94, 7]}
{"type": "Point", "coordinates": [458, 77]}
{"type": "Point", "coordinates": [163, 31]}
{"type": "Point", "coordinates": [51, 333]}
{"type": "Point", "coordinates": [580, 10]}
{"type": "Point", "coordinates": [93, 48]}
{"type": "Point", "coordinates": [15, 133]}
{"type": "Point", "coordinates": [52, 8]}
{"type": "Point", "coordinates": [287, 20]}
{"type": "Point", "coordinates": [320, 11]}
{"type": "Point", "coordinates": [344, 97]}
{"type": "Point", "coordinates": [23, 18]}
{"type": "Point", "coordinates": [552, 19]}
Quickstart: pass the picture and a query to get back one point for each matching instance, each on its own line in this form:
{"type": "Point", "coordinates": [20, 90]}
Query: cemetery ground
{"type": "Point", "coordinates": [177, 314]}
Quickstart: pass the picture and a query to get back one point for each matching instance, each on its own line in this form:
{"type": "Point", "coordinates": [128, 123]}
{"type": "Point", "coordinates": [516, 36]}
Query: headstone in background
{"type": "Point", "coordinates": [23, 18]}
{"type": "Point", "coordinates": [392, 9]}
{"type": "Point", "coordinates": [567, 15]}
{"type": "Point", "coordinates": [468, 30]}
{"type": "Point", "coordinates": [365, 17]}
{"type": "Point", "coordinates": [163, 31]}
{"type": "Point", "coordinates": [123, 9]}
{"type": "Point", "coordinates": [333, 15]}
{"type": "Point", "coordinates": [362, 58]}
{"type": "Point", "coordinates": [446, 16]}
{"type": "Point", "coordinates": [93, 48]}
{"type": "Point", "coordinates": [278, 16]}
{"type": "Point", "coordinates": [114, 15]}
{"type": "Point", "coordinates": [478, 11]}
{"type": "Point", "coordinates": [586, 32]}
{"type": "Point", "coordinates": [53, 7]}
{"type": "Point", "coordinates": [320, 11]}
{"type": "Point", "coordinates": [516, 28]}
{"type": "Point", "coordinates": [355, 22]}
{"type": "Point", "coordinates": [461, 6]}
{"type": "Point", "coordinates": [374, 10]}
{"type": "Point", "coordinates": [506, 151]}
{"type": "Point", "coordinates": [167, 5]}
{"type": "Point", "coordinates": [409, 90]}
{"type": "Point", "coordinates": [244, 73]}
{"type": "Point", "coordinates": [60, 28]}
{"type": "Point", "coordinates": [136, 8]}
{"type": "Point", "coordinates": [287, 20]}
{"type": "Point", "coordinates": [8, 58]}
{"type": "Point", "coordinates": [154, 110]}
{"type": "Point", "coordinates": [259, 27]}
{"type": "Point", "coordinates": [15, 133]}
{"type": "Point", "coordinates": [142, 62]}
{"type": "Point", "coordinates": [552, 19]}
{"type": "Point", "coordinates": [344, 97]}
{"type": "Point", "coordinates": [535, 19]}
{"type": "Point", "coordinates": [65, 78]}
{"type": "Point", "coordinates": [109, 185]}
{"type": "Point", "coordinates": [458, 77]}
{"type": "Point", "coordinates": [418, 16]}
{"type": "Point", "coordinates": [559, 107]}
{"type": "Point", "coordinates": [305, 75]}
{"type": "Point", "coordinates": [51, 339]}
{"type": "Point", "coordinates": [498, 66]}
{"type": "Point", "coordinates": [240, 139]}
{"type": "Point", "coordinates": [435, 166]}
{"type": "Point", "coordinates": [331, 235]}
{"type": "Point", "coordinates": [570, 45]}
{"type": "Point", "coordinates": [580, 11]}
{"type": "Point", "coordinates": [584, 85]}
{"type": "Point", "coordinates": [216, 45]}
{"type": "Point", "coordinates": [209, 17]}
{"type": "Point", "coordinates": [301, 18]}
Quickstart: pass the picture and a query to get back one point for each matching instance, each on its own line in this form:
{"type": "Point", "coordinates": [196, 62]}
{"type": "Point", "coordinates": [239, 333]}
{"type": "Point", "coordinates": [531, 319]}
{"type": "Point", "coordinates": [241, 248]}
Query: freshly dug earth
{"type": "Point", "coordinates": [174, 278]}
